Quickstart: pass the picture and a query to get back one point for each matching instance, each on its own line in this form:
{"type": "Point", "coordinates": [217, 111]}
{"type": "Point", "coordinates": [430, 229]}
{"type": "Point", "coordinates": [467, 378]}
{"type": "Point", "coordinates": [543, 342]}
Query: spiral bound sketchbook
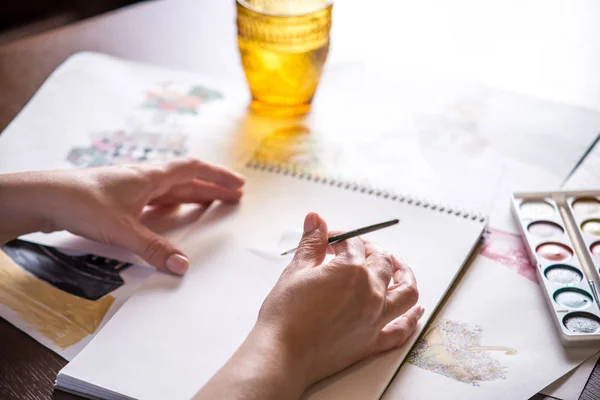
{"type": "Point", "coordinates": [174, 333]}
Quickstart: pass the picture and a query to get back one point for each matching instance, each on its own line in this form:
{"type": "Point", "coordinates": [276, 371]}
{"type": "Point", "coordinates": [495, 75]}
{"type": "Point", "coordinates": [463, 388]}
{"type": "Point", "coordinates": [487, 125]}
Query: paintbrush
{"type": "Point", "coordinates": [353, 233]}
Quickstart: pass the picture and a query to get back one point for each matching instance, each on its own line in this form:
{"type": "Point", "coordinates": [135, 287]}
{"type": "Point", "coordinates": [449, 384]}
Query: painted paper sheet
{"type": "Point", "coordinates": [477, 347]}
{"type": "Point", "coordinates": [61, 298]}
{"type": "Point", "coordinates": [62, 295]}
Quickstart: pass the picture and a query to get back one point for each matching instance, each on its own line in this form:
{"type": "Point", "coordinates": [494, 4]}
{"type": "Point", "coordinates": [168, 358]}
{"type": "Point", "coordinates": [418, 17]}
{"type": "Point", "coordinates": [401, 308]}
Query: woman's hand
{"type": "Point", "coordinates": [105, 204]}
{"type": "Point", "coordinates": [321, 318]}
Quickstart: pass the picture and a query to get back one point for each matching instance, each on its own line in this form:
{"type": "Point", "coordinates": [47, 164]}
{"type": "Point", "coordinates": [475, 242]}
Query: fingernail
{"type": "Point", "coordinates": [311, 222]}
{"type": "Point", "coordinates": [177, 264]}
{"type": "Point", "coordinates": [235, 183]}
{"type": "Point", "coordinates": [421, 312]}
{"type": "Point", "coordinates": [240, 178]}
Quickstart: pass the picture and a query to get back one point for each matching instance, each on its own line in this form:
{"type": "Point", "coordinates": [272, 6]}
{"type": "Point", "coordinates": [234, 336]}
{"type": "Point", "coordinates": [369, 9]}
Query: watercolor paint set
{"type": "Point", "coordinates": [561, 231]}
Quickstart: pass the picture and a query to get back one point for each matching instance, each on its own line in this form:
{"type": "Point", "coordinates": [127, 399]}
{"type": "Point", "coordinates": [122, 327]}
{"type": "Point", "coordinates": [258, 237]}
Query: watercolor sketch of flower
{"type": "Point", "coordinates": [120, 147]}
{"type": "Point", "coordinates": [172, 99]}
{"type": "Point", "coordinates": [454, 350]}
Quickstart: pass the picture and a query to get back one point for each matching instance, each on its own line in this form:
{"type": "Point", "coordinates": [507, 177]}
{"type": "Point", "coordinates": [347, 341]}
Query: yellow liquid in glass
{"type": "Point", "coordinates": [283, 57]}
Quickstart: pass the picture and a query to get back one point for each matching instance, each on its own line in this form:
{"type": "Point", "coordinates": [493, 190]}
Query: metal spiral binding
{"type": "Point", "coordinates": [301, 173]}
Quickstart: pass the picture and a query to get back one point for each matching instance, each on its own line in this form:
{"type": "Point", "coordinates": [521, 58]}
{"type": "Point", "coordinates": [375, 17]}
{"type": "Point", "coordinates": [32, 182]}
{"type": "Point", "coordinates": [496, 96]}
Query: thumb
{"type": "Point", "coordinates": [156, 250]}
{"type": "Point", "coordinates": [313, 245]}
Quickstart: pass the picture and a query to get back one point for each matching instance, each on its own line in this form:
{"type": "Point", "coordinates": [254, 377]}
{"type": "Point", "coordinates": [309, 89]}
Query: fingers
{"type": "Point", "coordinates": [399, 330]}
{"type": "Point", "coordinates": [218, 175]}
{"type": "Point", "coordinates": [403, 294]}
{"type": "Point", "coordinates": [197, 192]}
{"type": "Point", "coordinates": [330, 234]}
{"type": "Point", "coordinates": [313, 245]}
{"type": "Point", "coordinates": [184, 170]}
{"type": "Point", "coordinates": [348, 252]}
{"type": "Point", "coordinates": [374, 256]}
{"type": "Point", "coordinates": [379, 261]}
{"type": "Point", "coordinates": [154, 249]}
{"type": "Point", "coordinates": [400, 268]}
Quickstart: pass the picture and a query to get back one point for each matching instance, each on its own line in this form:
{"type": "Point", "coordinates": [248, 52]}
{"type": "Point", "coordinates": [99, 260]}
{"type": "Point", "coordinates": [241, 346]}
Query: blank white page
{"type": "Point", "coordinates": [175, 333]}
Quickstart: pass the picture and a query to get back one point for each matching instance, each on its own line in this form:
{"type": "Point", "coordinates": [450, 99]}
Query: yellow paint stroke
{"type": "Point", "coordinates": [63, 318]}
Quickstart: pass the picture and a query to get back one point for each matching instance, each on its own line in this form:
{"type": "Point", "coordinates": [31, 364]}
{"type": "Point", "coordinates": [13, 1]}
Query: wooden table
{"type": "Point", "coordinates": [536, 47]}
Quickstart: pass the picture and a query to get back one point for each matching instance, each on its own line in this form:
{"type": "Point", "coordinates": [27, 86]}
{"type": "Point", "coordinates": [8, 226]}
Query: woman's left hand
{"type": "Point", "coordinates": [105, 203]}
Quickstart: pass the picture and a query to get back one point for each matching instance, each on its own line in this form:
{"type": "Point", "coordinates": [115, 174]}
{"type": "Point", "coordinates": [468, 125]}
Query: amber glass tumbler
{"type": "Point", "coordinates": [283, 45]}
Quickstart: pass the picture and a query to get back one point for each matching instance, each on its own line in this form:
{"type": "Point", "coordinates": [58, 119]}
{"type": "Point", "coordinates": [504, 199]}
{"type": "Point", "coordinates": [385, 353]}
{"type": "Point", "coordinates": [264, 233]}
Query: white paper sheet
{"type": "Point", "coordinates": [587, 175]}
{"type": "Point", "coordinates": [494, 374]}
{"type": "Point", "coordinates": [570, 386]}
{"type": "Point", "coordinates": [95, 110]}
{"type": "Point", "coordinates": [218, 300]}
{"type": "Point", "coordinates": [478, 348]}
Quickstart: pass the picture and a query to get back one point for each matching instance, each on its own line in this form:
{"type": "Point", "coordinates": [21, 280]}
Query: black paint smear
{"type": "Point", "coordinates": [87, 276]}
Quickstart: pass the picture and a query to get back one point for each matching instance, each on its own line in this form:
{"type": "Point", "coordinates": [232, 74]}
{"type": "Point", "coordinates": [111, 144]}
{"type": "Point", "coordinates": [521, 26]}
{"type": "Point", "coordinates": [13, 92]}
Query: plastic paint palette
{"type": "Point", "coordinates": [562, 233]}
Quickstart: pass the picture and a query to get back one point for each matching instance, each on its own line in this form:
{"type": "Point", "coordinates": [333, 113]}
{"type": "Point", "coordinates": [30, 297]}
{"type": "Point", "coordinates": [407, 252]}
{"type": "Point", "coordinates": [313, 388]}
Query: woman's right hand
{"type": "Point", "coordinates": [330, 316]}
{"type": "Point", "coordinates": [321, 318]}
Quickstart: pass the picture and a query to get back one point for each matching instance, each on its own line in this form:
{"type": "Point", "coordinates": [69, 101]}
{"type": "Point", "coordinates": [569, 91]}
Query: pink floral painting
{"type": "Point", "coordinates": [509, 250]}
{"type": "Point", "coordinates": [168, 98]}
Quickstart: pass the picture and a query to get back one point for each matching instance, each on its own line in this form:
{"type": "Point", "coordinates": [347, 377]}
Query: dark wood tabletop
{"type": "Point", "coordinates": [197, 35]}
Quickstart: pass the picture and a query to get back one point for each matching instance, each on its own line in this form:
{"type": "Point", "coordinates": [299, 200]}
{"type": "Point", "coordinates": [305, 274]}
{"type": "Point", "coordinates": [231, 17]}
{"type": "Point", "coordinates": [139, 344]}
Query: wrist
{"type": "Point", "coordinates": [262, 368]}
{"type": "Point", "coordinates": [277, 361]}
{"type": "Point", "coordinates": [24, 206]}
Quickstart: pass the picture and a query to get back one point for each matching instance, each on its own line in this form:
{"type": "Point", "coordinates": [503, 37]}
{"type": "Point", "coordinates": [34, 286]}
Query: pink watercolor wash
{"type": "Point", "coordinates": [509, 250]}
